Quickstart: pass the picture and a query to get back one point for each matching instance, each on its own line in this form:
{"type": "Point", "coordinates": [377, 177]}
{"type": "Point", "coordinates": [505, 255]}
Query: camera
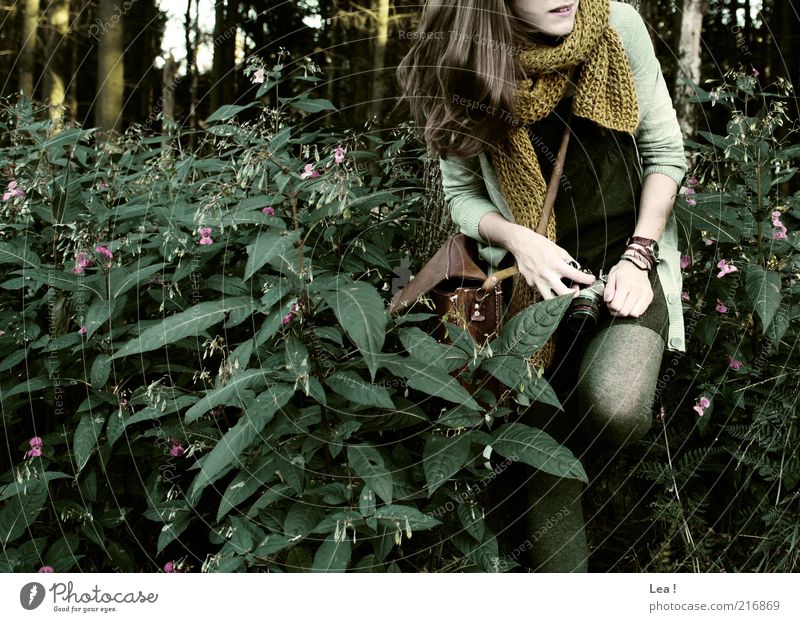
{"type": "Point", "coordinates": [584, 309]}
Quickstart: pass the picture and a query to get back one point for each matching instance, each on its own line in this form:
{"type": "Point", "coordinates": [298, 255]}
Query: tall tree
{"type": "Point", "coordinates": [110, 68]}
{"type": "Point", "coordinates": [224, 66]}
{"type": "Point", "coordinates": [689, 61]}
{"type": "Point", "coordinates": [379, 55]}
{"type": "Point", "coordinates": [27, 54]}
{"type": "Point", "coordinates": [56, 70]}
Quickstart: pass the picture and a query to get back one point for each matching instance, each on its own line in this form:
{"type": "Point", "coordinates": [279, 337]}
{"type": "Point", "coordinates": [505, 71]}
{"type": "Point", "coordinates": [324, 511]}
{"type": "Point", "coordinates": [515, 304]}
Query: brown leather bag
{"type": "Point", "coordinates": [461, 291]}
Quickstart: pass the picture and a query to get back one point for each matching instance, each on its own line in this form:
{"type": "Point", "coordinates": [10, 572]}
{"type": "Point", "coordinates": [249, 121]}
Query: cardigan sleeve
{"type": "Point", "coordinates": [658, 136]}
{"type": "Point", "coordinates": [465, 193]}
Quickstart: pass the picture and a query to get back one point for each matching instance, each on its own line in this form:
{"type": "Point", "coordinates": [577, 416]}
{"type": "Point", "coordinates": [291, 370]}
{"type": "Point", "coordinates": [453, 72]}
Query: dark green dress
{"type": "Point", "coordinates": [597, 201]}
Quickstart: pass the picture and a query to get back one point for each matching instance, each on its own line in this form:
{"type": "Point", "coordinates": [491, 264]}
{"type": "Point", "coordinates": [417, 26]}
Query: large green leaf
{"type": "Point", "coordinates": [231, 446]}
{"type": "Point", "coordinates": [529, 329]}
{"type": "Point", "coordinates": [21, 511]}
{"type": "Point", "coordinates": [428, 379]}
{"type": "Point", "coordinates": [228, 111]}
{"type": "Point", "coordinates": [270, 244]}
{"type": "Point", "coordinates": [404, 517]}
{"type": "Point", "coordinates": [764, 290]}
{"type": "Point", "coordinates": [308, 105]}
{"type": "Point", "coordinates": [443, 457]}
{"type": "Point", "coordinates": [538, 449]}
{"type": "Point", "coordinates": [368, 464]}
{"type": "Point", "coordinates": [421, 346]}
{"type": "Point", "coordinates": [349, 385]}
{"type": "Point", "coordinates": [184, 324]}
{"type": "Point", "coordinates": [516, 373]}
{"type": "Point", "coordinates": [226, 394]}
{"type": "Point", "coordinates": [19, 253]}
{"type": "Point", "coordinates": [302, 518]}
{"type": "Point", "coordinates": [85, 439]}
{"type": "Point", "coordinates": [332, 556]}
{"type": "Point", "coordinates": [360, 311]}
{"type": "Point", "coordinates": [123, 278]}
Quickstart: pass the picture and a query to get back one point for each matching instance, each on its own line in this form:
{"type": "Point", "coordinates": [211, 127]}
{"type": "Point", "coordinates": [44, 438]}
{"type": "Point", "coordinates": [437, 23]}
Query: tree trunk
{"type": "Point", "coordinates": [223, 86]}
{"type": "Point", "coordinates": [27, 54]}
{"type": "Point", "coordinates": [168, 91]}
{"type": "Point", "coordinates": [110, 69]}
{"type": "Point", "coordinates": [190, 26]}
{"type": "Point", "coordinates": [55, 75]}
{"type": "Point", "coordinates": [693, 12]}
{"type": "Point", "coordinates": [379, 56]}
{"type": "Point", "coordinates": [332, 52]}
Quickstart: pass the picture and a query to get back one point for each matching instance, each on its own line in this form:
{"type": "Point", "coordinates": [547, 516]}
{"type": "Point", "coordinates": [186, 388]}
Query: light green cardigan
{"type": "Point", "coordinates": [471, 188]}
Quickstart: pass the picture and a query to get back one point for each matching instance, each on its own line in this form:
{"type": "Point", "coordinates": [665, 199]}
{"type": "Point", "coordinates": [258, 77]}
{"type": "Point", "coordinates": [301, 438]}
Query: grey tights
{"type": "Point", "coordinates": [606, 382]}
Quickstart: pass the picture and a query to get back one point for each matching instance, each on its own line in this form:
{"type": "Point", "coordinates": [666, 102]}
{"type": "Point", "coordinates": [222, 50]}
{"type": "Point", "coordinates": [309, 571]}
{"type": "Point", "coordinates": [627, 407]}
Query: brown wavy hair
{"type": "Point", "coordinates": [463, 50]}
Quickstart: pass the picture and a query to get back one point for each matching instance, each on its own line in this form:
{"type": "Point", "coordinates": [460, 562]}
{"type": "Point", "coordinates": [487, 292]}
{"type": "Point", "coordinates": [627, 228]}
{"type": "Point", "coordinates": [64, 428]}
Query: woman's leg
{"type": "Point", "coordinates": [555, 523]}
{"type": "Point", "coordinates": [607, 387]}
{"type": "Point", "coordinates": [616, 386]}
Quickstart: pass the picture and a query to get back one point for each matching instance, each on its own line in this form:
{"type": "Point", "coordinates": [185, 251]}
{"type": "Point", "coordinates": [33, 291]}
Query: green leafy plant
{"type": "Point", "coordinates": [199, 366]}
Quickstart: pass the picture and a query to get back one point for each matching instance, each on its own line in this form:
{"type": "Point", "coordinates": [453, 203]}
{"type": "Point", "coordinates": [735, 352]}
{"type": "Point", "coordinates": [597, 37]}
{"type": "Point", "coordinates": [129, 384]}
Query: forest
{"type": "Point", "coordinates": [207, 208]}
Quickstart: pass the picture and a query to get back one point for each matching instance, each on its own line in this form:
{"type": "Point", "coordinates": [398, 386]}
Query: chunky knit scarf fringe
{"type": "Point", "coordinates": [604, 93]}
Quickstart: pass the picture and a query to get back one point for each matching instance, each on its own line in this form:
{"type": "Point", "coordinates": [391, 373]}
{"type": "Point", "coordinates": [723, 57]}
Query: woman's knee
{"type": "Point", "coordinates": [617, 414]}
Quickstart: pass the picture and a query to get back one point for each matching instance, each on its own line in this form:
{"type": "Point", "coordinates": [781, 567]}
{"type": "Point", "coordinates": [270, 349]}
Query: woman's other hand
{"type": "Point", "coordinates": [628, 291]}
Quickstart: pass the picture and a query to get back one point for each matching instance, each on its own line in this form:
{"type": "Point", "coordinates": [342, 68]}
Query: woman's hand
{"type": "Point", "coordinates": [628, 291]}
{"type": "Point", "coordinates": [544, 263]}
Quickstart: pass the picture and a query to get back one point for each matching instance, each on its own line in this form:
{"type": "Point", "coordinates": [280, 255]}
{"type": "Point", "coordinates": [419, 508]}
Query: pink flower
{"type": "Point", "coordinates": [685, 296]}
{"type": "Point", "coordinates": [286, 318]}
{"type": "Point", "coordinates": [691, 202]}
{"type": "Point", "coordinates": [685, 262]}
{"type": "Point", "coordinates": [103, 250]}
{"type": "Point", "coordinates": [82, 261]}
{"type": "Point", "coordinates": [36, 441]}
{"type": "Point", "coordinates": [780, 234]}
{"type": "Point", "coordinates": [338, 156]}
{"type": "Point", "coordinates": [724, 268]}
{"type": "Point", "coordinates": [709, 241]}
{"type": "Point", "coordinates": [691, 182]}
{"type": "Point", "coordinates": [82, 330]}
{"type": "Point", "coordinates": [170, 567]}
{"type": "Point", "coordinates": [756, 73]}
{"type": "Point", "coordinates": [13, 191]}
{"type": "Point", "coordinates": [721, 308]}
{"type": "Point", "coordinates": [177, 449]}
{"type": "Point", "coordinates": [689, 191]}
{"type": "Point", "coordinates": [258, 76]}
{"type": "Point", "coordinates": [733, 363]}
{"type": "Point", "coordinates": [309, 171]}
{"type": "Point", "coordinates": [34, 452]}
{"type": "Point", "coordinates": [46, 569]}
{"type": "Point", "coordinates": [269, 211]}
{"type": "Point", "coordinates": [205, 236]}
{"type": "Point", "coordinates": [701, 406]}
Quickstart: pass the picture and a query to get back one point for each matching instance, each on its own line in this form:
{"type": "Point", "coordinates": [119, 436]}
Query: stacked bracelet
{"type": "Point", "coordinates": [638, 260]}
{"type": "Point", "coordinates": [640, 255]}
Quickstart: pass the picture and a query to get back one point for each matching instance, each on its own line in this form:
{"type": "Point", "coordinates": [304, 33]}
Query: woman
{"type": "Point", "coordinates": [493, 94]}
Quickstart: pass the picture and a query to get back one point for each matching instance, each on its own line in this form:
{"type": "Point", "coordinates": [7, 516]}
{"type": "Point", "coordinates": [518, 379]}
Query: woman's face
{"type": "Point", "coordinates": [545, 16]}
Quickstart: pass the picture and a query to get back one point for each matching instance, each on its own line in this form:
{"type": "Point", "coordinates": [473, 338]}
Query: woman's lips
{"type": "Point", "coordinates": [564, 11]}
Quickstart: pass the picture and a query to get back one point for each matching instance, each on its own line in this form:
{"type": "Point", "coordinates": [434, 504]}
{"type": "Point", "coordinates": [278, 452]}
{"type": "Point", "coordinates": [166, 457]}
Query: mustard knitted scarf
{"type": "Point", "coordinates": [604, 93]}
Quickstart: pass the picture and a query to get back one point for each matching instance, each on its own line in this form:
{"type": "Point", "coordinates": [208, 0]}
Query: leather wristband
{"type": "Point", "coordinates": [649, 246]}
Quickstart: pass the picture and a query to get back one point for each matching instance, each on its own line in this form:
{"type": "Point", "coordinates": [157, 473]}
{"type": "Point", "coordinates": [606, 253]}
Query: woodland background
{"type": "Point", "coordinates": [179, 394]}
{"type": "Point", "coordinates": [97, 59]}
